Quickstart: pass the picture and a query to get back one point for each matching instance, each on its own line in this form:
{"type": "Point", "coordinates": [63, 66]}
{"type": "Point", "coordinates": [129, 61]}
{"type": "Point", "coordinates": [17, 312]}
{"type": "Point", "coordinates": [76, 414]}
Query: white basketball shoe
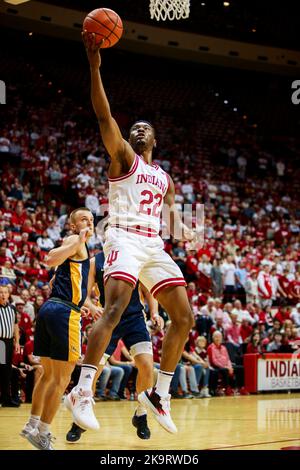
{"type": "Point", "coordinates": [80, 403]}
{"type": "Point", "coordinates": [161, 408]}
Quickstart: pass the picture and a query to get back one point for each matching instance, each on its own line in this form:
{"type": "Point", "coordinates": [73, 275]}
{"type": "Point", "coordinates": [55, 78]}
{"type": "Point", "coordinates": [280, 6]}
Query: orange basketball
{"type": "Point", "coordinates": [106, 24]}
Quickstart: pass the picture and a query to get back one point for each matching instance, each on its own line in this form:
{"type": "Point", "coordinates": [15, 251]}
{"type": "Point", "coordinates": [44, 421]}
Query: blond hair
{"type": "Point", "coordinates": [74, 212]}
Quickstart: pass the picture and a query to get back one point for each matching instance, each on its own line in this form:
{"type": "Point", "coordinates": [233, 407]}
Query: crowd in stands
{"type": "Point", "coordinates": [243, 284]}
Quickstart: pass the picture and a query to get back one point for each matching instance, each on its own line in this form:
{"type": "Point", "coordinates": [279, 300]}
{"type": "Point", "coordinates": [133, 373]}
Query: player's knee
{"type": "Point", "coordinates": [61, 382]}
{"type": "Point", "coordinates": [144, 364]}
{"type": "Point", "coordinates": [185, 321]}
{"type": "Point", "coordinates": [113, 315]}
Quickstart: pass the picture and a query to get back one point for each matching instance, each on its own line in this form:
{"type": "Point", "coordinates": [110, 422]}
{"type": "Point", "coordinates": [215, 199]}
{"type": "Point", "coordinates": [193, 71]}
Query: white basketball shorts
{"type": "Point", "coordinates": [130, 256]}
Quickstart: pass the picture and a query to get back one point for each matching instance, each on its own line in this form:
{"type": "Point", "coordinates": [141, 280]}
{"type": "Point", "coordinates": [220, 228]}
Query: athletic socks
{"type": "Point", "coordinates": [34, 421]}
{"type": "Point", "coordinates": [43, 428]}
{"type": "Point", "coordinates": [86, 378]}
{"type": "Point", "coordinates": [163, 382]}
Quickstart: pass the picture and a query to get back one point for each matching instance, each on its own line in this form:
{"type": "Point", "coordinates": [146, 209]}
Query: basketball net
{"type": "Point", "coordinates": [169, 9]}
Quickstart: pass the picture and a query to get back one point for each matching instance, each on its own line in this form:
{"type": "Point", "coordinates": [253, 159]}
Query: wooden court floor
{"type": "Point", "coordinates": [258, 422]}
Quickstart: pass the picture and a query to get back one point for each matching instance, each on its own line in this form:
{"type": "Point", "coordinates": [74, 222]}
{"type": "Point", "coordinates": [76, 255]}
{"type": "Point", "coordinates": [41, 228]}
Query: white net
{"type": "Point", "coordinates": [169, 9]}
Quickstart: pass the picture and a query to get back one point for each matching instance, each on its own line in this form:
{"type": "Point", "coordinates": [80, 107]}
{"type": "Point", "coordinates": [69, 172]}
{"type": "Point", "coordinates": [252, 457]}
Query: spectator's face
{"type": "Point", "coordinates": [32, 290]}
{"type": "Point", "coordinates": [20, 308]}
{"type": "Point", "coordinates": [276, 324]}
{"type": "Point", "coordinates": [201, 343]}
{"type": "Point", "coordinates": [217, 339]}
{"type": "Point", "coordinates": [277, 338]}
{"type": "Point", "coordinates": [256, 338]}
{"type": "Point", "coordinates": [25, 295]}
{"type": "Point", "coordinates": [4, 295]}
{"type": "Point", "coordinates": [46, 291]}
{"type": "Point", "coordinates": [39, 300]}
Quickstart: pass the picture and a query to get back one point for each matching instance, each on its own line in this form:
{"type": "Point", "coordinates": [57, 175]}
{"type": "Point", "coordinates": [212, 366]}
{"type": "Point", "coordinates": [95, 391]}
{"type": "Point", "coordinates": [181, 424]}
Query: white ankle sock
{"type": "Point", "coordinates": [43, 427]}
{"type": "Point", "coordinates": [163, 382]}
{"type": "Point", "coordinates": [34, 421]}
{"type": "Point", "coordinates": [140, 410]}
{"type": "Point", "coordinates": [87, 375]}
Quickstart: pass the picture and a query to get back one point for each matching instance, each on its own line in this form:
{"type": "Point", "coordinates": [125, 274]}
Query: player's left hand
{"type": "Point", "coordinates": [158, 321]}
{"type": "Point", "coordinates": [84, 311]}
{"type": "Point", "coordinates": [97, 313]}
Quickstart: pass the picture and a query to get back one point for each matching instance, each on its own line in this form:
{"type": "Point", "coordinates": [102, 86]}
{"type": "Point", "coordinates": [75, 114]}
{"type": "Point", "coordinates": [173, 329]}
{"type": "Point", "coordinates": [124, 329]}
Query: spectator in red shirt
{"type": "Point", "coordinates": [232, 375]}
{"type": "Point", "coordinates": [294, 289]}
{"type": "Point", "coordinates": [282, 315]}
{"type": "Point", "coordinates": [254, 346]}
{"type": "Point", "coordinates": [192, 272]}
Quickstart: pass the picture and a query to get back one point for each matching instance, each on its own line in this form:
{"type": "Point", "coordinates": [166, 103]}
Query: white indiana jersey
{"type": "Point", "coordinates": [136, 199]}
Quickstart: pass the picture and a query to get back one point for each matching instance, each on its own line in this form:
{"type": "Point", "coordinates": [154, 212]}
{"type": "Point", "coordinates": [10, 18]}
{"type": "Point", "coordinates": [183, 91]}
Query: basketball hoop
{"type": "Point", "coordinates": [169, 9]}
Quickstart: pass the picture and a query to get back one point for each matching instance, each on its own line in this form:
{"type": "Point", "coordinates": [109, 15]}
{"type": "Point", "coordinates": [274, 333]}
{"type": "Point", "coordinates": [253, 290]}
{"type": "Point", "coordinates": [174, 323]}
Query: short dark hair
{"type": "Point", "coordinates": [143, 120]}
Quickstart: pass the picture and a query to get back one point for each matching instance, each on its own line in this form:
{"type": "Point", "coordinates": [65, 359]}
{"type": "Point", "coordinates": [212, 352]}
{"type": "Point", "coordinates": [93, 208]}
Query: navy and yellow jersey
{"type": "Point", "coordinates": [71, 280]}
{"type": "Point", "coordinates": [134, 307]}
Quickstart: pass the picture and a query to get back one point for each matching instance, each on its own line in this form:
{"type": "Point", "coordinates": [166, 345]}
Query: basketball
{"type": "Point", "coordinates": [106, 24]}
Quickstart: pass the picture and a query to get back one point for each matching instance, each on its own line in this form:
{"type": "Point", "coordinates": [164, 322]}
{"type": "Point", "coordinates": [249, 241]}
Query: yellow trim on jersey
{"type": "Point", "coordinates": [74, 336]}
{"type": "Point", "coordinates": [76, 279]}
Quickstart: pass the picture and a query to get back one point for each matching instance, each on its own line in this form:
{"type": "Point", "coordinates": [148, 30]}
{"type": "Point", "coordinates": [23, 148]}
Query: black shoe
{"type": "Point", "coordinates": [176, 395]}
{"type": "Point", "coordinates": [113, 397]}
{"type": "Point", "coordinates": [75, 433]}
{"type": "Point", "coordinates": [10, 404]}
{"type": "Point", "coordinates": [140, 423]}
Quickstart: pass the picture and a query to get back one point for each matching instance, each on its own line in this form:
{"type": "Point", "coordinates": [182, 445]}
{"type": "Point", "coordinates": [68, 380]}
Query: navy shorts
{"type": "Point", "coordinates": [58, 332]}
{"type": "Point", "coordinates": [132, 330]}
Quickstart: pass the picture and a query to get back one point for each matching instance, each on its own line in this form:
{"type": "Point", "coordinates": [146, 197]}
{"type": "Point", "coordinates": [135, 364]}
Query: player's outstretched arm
{"type": "Point", "coordinates": [69, 248]}
{"type": "Point", "coordinates": [116, 146]}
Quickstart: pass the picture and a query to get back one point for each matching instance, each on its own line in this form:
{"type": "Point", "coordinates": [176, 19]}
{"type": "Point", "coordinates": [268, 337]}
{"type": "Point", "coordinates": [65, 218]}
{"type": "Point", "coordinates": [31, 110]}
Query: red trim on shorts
{"type": "Point", "coordinates": [130, 173]}
{"type": "Point", "coordinates": [138, 229]}
{"type": "Point", "coordinates": [172, 281]}
{"type": "Point", "coordinates": [121, 275]}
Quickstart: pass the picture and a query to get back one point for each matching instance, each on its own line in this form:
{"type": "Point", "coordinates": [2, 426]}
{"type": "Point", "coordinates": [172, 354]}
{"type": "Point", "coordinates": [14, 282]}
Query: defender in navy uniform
{"type": "Point", "coordinates": [132, 330]}
{"type": "Point", "coordinates": [58, 327]}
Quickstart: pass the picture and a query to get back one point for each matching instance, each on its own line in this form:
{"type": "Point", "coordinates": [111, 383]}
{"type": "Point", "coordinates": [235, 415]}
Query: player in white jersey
{"type": "Point", "coordinates": [134, 250]}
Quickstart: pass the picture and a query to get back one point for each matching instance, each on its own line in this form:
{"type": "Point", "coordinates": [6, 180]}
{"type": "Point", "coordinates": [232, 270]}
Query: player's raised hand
{"type": "Point", "coordinates": [158, 321]}
{"type": "Point", "coordinates": [84, 235]}
{"type": "Point", "coordinates": [92, 49]}
{"type": "Point", "coordinates": [84, 311]}
{"type": "Point", "coordinates": [97, 313]}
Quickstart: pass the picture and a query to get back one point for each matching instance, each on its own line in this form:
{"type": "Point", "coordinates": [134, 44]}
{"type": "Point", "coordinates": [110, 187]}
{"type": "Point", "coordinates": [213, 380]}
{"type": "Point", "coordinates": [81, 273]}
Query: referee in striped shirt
{"type": "Point", "coordinates": [9, 339]}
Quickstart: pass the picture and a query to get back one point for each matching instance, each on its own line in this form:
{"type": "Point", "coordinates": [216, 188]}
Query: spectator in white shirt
{"type": "Point", "coordinates": [92, 202]}
{"type": "Point", "coordinates": [242, 314]}
{"type": "Point", "coordinates": [295, 315]}
{"type": "Point", "coordinates": [205, 266]}
{"type": "Point", "coordinates": [228, 270]}
{"type": "Point", "coordinates": [251, 288]}
{"type": "Point", "coordinates": [44, 242]}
